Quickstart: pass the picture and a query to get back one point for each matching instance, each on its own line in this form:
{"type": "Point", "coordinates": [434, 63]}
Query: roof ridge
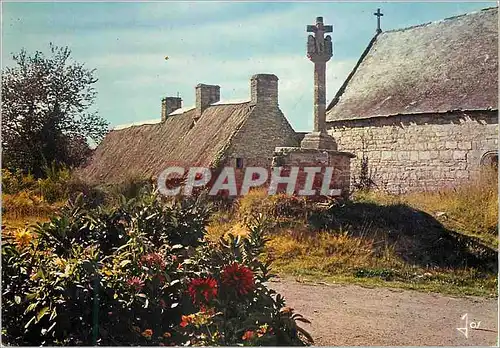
{"type": "Point", "coordinates": [231, 102]}
{"type": "Point", "coordinates": [440, 20]}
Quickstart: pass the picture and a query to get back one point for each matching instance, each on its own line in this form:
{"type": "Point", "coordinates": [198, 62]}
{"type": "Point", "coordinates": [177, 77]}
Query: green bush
{"type": "Point", "coordinates": [140, 274]}
{"type": "Point", "coordinates": [54, 187]}
{"type": "Point", "coordinates": [14, 182]}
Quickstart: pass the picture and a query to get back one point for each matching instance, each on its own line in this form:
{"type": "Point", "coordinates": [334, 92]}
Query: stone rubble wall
{"type": "Point", "coordinates": [419, 152]}
{"type": "Point", "coordinates": [264, 130]}
{"type": "Point", "coordinates": [302, 158]}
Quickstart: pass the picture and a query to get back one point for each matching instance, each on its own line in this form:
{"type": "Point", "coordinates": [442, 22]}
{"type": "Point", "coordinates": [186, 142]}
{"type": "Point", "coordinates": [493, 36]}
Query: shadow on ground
{"type": "Point", "coordinates": [417, 236]}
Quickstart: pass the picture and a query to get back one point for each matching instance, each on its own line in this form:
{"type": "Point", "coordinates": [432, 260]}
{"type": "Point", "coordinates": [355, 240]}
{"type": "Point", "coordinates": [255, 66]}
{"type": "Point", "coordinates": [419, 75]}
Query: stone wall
{"type": "Point", "coordinates": [302, 158]}
{"type": "Point", "coordinates": [419, 152]}
{"type": "Point", "coordinates": [265, 129]}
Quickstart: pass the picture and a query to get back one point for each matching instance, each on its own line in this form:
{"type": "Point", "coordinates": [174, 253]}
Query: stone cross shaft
{"type": "Point", "coordinates": [319, 51]}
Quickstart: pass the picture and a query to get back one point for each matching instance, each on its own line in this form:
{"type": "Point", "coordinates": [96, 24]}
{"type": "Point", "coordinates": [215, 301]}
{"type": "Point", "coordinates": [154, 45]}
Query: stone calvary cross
{"type": "Point", "coordinates": [319, 51]}
{"type": "Point", "coordinates": [316, 44]}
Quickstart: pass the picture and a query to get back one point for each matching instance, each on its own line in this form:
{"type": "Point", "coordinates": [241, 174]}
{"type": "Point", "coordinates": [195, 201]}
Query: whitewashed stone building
{"type": "Point", "coordinates": [421, 104]}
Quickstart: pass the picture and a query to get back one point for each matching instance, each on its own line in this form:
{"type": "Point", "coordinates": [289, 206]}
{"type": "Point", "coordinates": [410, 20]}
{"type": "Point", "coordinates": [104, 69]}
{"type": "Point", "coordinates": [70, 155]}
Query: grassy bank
{"type": "Point", "coordinates": [443, 241]}
{"type": "Point", "coordinates": [436, 241]}
{"type": "Point", "coordinates": [470, 209]}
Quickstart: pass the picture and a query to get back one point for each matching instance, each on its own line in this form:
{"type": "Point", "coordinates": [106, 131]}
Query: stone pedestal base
{"type": "Point", "coordinates": [318, 141]}
{"type": "Point", "coordinates": [340, 162]}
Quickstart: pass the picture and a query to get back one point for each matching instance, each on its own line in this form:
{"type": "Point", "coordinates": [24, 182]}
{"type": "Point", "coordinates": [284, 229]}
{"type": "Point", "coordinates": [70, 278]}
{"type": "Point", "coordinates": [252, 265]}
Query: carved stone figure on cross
{"type": "Point", "coordinates": [319, 47]}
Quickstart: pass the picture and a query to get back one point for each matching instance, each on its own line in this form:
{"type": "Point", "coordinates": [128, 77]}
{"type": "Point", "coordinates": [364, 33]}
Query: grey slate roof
{"type": "Point", "coordinates": [436, 67]}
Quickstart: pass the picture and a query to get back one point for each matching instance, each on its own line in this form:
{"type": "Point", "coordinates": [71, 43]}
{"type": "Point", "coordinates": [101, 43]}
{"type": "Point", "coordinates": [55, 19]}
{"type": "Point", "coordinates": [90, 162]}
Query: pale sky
{"type": "Point", "coordinates": [219, 43]}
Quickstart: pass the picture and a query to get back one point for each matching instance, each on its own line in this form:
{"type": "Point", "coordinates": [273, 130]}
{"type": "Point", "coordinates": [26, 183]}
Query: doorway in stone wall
{"type": "Point", "coordinates": [489, 161]}
{"type": "Point", "coordinates": [489, 167]}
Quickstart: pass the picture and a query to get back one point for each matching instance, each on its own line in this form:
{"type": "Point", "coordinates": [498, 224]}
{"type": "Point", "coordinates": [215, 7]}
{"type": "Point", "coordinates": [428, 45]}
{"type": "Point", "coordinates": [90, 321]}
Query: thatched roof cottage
{"type": "Point", "coordinates": [212, 133]}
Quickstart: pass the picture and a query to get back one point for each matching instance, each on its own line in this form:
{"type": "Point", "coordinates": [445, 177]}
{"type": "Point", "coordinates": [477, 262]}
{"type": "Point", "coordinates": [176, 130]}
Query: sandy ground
{"type": "Point", "coordinates": [349, 315]}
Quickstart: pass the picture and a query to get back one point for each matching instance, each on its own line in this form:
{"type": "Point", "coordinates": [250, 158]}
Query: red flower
{"type": "Point", "coordinates": [239, 278]}
{"type": "Point", "coordinates": [202, 290]}
{"type": "Point", "coordinates": [147, 333]}
{"type": "Point", "coordinates": [186, 320]}
{"type": "Point", "coordinates": [162, 303]}
{"type": "Point", "coordinates": [136, 283]}
{"type": "Point", "coordinates": [153, 259]}
{"type": "Point", "coordinates": [248, 335]}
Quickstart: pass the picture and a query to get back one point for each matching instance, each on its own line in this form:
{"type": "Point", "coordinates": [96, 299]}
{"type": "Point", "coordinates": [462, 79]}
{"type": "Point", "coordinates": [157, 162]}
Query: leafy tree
{"type": "Point", "coordinates": [45, 111]}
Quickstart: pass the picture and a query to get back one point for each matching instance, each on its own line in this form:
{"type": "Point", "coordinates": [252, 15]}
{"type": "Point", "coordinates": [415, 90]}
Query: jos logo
{"type": "Point", "coordinates": [472, 325]}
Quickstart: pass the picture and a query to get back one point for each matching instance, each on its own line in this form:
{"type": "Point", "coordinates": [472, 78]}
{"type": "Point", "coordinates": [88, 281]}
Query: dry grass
{"type": "Point", "coordinates": [328, 252]}
{"type": "Point", "coordinates": [24, 204]}
{"type": "Point", "coordinates": [220, 227]}
{"type": "Point", "coordinates": [471, 209]}
{"type": "Point", "coordinates": [338, 257]}
{"type": "Point", "coordinates": [12, 225]}
{"type": "Point", "coordinates": [371, 242]}
{"type": "Point", "coordinates": [346, 259]}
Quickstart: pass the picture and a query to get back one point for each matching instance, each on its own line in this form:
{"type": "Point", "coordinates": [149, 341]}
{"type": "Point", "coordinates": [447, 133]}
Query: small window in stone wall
{"type": "Point", "coordinates": [239, 163]}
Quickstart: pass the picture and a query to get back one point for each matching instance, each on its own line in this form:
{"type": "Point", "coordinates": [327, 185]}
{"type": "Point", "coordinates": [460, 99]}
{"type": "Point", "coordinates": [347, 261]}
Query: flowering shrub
{"type": "Point", "coordinates": [238, 279]}
{"type": "Point", "coordinates": [140, 274]}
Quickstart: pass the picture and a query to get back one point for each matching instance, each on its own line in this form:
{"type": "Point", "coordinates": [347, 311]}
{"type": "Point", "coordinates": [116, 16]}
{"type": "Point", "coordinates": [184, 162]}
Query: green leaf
{"type": "Point", "coordinates": [305, 333]}
{"type": "Point", "coordinates": [42, 312]}
{"type": "Point", "coordinates": [304, 320]}
{"type": "Point", "coordinates": [53, 315]}
{"type": "Point", "coordinates": [29, 322]}
{"type": "Point", "coordinates": [52, 326]}
{"type": "Point", "coordinates": [125, 262]}
{"type": "Point", "coordinates": [31, 307]}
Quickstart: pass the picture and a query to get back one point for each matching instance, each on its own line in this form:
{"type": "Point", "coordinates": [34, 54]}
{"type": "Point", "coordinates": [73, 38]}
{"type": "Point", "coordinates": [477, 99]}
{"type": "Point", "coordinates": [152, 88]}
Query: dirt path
{"type": "Point", "coordinates": [350, 315]}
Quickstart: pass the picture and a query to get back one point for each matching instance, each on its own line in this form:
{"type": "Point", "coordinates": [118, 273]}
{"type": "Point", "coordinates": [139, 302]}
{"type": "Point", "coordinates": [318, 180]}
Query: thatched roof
{"type": "Point", "coordinates": [437, 67]}
{"type": "Point", "coordinates": [146, 150]}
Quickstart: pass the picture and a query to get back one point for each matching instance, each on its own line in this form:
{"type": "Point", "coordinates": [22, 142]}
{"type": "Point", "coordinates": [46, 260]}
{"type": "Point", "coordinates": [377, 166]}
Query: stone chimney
{"type": "Point", "coordinates": [169, 105]}
{"type": "Point", "coordinates": [206, 95]}
{"type": "Point", "coordinates": [264, 89]}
